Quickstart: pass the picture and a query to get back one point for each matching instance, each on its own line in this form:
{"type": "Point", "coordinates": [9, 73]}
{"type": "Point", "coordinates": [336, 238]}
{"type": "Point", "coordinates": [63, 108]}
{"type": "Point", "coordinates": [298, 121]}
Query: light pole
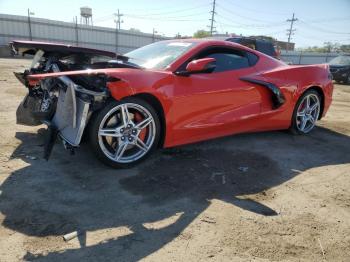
{"type": "Point", "coordinates": [30, 25]}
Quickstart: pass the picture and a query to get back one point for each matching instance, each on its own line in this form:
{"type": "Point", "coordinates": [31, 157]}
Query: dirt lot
{"type": "Point", "coordinates": [190, 203]}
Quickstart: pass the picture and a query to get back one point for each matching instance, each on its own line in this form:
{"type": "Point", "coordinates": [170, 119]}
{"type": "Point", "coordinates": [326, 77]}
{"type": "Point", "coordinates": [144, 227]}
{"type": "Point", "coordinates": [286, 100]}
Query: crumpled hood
{"type": "Point", "coordinates": [31, 47]}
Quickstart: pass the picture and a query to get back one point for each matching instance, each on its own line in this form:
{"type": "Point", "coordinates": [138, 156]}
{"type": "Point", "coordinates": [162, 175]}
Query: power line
{"type": "Point", "coordinates": [255, 10]}
{"type": "Point", "coordinates": [231, 13]}
{"type": "Point", "coordinates": [176, 11]}
{"type": "Point", "coordinates": [212, 19]}
{"type": "Point", "coordinates": [291, 31]}
{"type": "Point", "coordinates": [323, 30]}
{"type": "Point", "coordinates": [255, 26]}
{"type": "Point", "coordinates": [328, 20]}
{"type": "Point", "coordinates": [304, 32]}
{"type": "Point", "coordinates": [163, 19]}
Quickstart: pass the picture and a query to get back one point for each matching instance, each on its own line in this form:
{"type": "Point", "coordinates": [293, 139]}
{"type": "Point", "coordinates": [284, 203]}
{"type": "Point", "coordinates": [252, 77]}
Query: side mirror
{"type": "Point", "coordinates": [204, 65]}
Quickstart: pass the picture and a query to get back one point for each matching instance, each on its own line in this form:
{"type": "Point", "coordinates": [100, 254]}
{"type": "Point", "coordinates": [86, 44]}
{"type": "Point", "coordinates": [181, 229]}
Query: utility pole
{"type": "Point", "coordinates": [30, 25]}
{"type": "Point", "coordinates": [290, 31]}
{"type": "Point", "coordinates": [117, 21]}
{"type": "Point", "coordinates": [154, 35]}
{"type": "Point", "coordinates": [212, 19]}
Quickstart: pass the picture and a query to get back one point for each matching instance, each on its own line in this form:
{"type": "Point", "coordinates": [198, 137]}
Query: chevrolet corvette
{"type": "Point", "coordinates": [165, 94]}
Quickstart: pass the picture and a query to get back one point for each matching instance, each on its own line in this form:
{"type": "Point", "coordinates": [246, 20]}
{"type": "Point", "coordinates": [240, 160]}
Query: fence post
{"type": "Point", "coordinates": [30, 26]}
{"type": "Point", "coordinates": [301, 52]}
{"type": "Point", "coordinates": [76, 32]}
{"type": "Point", "coordinates": [116, 39]}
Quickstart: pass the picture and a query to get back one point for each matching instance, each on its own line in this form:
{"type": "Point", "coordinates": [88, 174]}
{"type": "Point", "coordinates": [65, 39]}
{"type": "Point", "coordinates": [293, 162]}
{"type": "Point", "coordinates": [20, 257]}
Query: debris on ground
{"type": "Point", "coordinates": [209, 220]}
{"type": "Point", "coordinates": [223, 178]}
{"type": "Point", "coordinates": [31, 157]}
{"type": "Point", "coordinates": [243, 168]}
{"type": "Point", "coordinates": [70, 236]}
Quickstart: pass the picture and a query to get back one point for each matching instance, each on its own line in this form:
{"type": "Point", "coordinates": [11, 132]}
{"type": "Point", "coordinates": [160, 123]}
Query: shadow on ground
{"type": "Point", "coordinates": [69, 193]}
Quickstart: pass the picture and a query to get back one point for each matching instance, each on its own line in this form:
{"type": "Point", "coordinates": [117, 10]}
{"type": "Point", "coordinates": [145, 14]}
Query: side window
{"type": "Point", "coordinates": [226, 61]}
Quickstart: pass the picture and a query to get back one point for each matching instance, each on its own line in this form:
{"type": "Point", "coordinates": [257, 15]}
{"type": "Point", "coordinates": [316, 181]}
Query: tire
{"type": "Point", "coordinates": [118, 138]}
{"type": "Point", "coordinates": [348, 79]}
{"type": "Point", "coordinates": [311, 114]}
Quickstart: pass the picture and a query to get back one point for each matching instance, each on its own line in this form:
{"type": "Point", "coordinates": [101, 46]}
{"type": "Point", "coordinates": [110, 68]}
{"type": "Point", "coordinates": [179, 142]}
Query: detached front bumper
{"type": "Point", "coordinates": [71, 115]}
{"type": "Point", "coordinates": [68, 117]}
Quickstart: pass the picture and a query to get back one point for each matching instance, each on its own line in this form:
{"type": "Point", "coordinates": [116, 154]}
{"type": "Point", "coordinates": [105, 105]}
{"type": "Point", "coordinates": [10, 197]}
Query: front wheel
{"type": "Point", "coordinates": [306, 113]}
{"type": "Point", "coordinates": [124, 132]}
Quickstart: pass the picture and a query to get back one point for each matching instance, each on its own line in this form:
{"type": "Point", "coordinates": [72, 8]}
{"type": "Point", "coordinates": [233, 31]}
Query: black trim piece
{"type": "Point", "coordinates": [278, 98]}
{"type": "Point", "coordinates": [50, 139]}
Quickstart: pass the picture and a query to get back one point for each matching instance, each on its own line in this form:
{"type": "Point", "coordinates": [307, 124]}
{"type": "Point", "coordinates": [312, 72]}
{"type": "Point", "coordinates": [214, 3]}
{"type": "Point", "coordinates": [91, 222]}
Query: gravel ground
{"type": "Point", "coordinates": [191, 203]}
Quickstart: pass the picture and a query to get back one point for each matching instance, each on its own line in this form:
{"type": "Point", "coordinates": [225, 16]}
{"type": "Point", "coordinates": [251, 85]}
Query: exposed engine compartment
{"type": "Point", "coordinates": [64, 103]}
{"type": "Point", "coordinates": [42, 98]}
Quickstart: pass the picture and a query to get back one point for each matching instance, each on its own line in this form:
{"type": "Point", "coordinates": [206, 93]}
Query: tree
{"type": "Point", "coordinates": [201, 34]}
{"type": "Point", "coordinates": [134, 30]}
{"type": "Point", "coordinates": [345, 48]}
{"type": "Point", "coordinates": [327, 48]}
{"type": "Point", "coordinates": [331, 47]}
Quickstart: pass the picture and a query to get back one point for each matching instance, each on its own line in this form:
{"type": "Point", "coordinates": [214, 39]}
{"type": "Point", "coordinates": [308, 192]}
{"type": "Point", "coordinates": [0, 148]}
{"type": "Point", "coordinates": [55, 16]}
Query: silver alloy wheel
{"type": "Point", "coordinates": [308, 113]}
{"type": "Point", "coordinates": [122, 137]}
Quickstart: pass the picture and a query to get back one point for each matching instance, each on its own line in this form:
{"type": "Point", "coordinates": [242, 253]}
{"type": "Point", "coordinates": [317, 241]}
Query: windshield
{"type": "Point", "coordinates": [158, 55]}
{"type": "Point", "coordinates": [340, 60]}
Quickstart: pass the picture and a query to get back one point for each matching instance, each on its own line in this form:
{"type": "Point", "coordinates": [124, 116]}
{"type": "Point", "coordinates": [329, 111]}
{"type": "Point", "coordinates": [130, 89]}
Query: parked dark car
{"type": "Point", "coordinates": [257, 44]}
{"type": "Point", "coordinates": [340, 68]}
{"type": "Point", "coordinates": [260, 45]}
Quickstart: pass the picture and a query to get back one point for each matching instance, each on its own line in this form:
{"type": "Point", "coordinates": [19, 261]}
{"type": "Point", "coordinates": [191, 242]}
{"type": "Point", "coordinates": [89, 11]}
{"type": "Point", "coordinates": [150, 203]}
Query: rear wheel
{"type": "Point", "coordinates": [125, 132]}
{"type": "Point", "coordinates": [306, 113]}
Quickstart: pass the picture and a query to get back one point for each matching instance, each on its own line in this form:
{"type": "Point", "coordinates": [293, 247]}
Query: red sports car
{"type": "Point", "coordinates": [165, 94]}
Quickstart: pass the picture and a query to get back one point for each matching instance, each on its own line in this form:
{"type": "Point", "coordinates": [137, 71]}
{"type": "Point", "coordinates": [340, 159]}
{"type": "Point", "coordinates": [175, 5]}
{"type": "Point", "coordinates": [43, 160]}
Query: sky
{"type": "Point", "coordinates": [319, 21]}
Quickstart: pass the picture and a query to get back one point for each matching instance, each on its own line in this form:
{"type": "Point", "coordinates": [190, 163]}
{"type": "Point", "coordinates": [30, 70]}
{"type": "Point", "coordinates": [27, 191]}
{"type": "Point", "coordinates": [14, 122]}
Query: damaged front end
{"type": "Point", "coordinates": [64, 102]}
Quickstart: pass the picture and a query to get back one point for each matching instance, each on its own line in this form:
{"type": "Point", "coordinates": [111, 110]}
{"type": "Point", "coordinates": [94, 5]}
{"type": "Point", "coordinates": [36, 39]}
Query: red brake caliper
{"type": "Point", "coordinates": [138, 118]}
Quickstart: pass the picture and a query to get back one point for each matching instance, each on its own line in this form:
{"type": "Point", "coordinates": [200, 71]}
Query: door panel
{"type": "Point", "coordinates": [213, 104]}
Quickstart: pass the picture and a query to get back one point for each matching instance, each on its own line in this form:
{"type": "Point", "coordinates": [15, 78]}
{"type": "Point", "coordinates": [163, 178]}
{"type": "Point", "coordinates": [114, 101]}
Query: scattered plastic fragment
{"type": "Point", "coordinates": [32, 157]}
{"type": "Point", "coordinates": [243, 168]}
{"type": "Point", "coordinates": [70, 236]}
